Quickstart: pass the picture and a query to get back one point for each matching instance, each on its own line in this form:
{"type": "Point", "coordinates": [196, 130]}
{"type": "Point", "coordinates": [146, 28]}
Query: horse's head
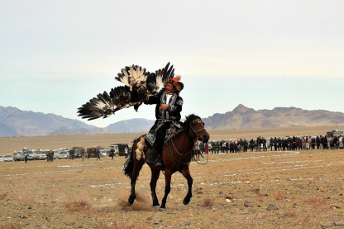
{"type": "Point", "coordinates": [196, 128]}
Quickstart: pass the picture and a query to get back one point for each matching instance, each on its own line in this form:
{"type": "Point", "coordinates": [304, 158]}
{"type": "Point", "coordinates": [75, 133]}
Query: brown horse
{"type": "Point", "coordinates": [176, 157]}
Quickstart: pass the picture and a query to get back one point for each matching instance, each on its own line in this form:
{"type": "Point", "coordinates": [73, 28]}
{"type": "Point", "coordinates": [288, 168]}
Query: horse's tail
{"type": "Point", "coordinates": [128, 165]}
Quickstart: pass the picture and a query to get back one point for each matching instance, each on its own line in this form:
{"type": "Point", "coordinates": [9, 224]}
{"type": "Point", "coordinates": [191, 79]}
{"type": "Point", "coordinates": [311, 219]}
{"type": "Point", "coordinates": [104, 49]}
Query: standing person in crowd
{"type": "Point", "coordinates": [303, 141]}
{"type": "Point", "coordinates": [271, 143]}
{"type": "Point", "coordinates": [212, 149]}
{"type": "Point", "coordinates": [223, 146]}
{"type": "Point", "coordinates": [206, 148]}
{"type": "Point", "coordinates": [259, 144]}
{"type": "Point", "coordinates": [335, 142]}
{"type": "Point", "coordinates": [264, 144]}
{"type": "Point", "coordinates": [324, 142]}
{"type": "Point", "coordinates": [299, 143]}
{"type": "Point", "coordinates": [218, 147]}
{"type": "Point", "coordinates": [245, 143]}
{"type": "Point", "coordinates": [340, 142]}
{"type": "Point", "coordinates": [251, 144]}
{"type": "Point", "coordinates": [112, 153]}
{"type": "Point", "coordinates": [227, 146]}
{"type": "Point", "coordinates": [275, 144]}
{"type": "Point", "coordinates": [83, 154]}
{"type": "Point", "coordinates": [231, 147]}
{"type": "Point", "coordinates": [196, 151]}
{"type": "Point", "coordinates": [330, 142]}
{"type": "Point", "coordinates": [71, 154]}
{"type": "Point", "coordinates": [98, 154]}
{"type": "Point", "coordinates": [25, 158]}
{"type": "Point", "coordinates": [313, 143]}
{"type": "Point", "coordinates": [201, 147]}
{"type": "Point", "coordinates": [309, 143]}
{"type": "Point", "coordinates": [317, 140]}
{"type": "Point", "coordinates": [236, 142]}
{"type": "Point", "coordinates": [294, 143]}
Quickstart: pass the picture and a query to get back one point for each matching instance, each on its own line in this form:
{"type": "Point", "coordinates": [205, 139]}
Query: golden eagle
{"type": "Point", "coordinates": [106, 104]}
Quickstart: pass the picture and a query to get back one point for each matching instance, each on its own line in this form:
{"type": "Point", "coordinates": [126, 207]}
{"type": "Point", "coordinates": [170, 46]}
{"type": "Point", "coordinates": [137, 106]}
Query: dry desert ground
{"type": "Point", "coordinates": [291, 189]}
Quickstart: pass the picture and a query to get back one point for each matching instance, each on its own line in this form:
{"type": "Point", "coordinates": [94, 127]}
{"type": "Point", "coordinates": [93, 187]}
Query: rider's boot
{"type": "Point", "coordinates": [158, 161]}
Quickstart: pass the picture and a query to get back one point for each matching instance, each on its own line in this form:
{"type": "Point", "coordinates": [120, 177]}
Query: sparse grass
{"type": "Point", "coordinates": [289, 214]}
{"type": "Point", "coordinates": [207, 203]}
{"type": "Point", "coordinates": [279, 196]}
{"type": "Point", "coordinates": [126, 225]}
{"type": "Point", "coordinates": [11, 226]}
{"type": "Point", "coordinates": [316, 201]}
{"type": "Point", "coordinates": [2, 196]}
{"type": "Point", "coordinates": [41, 193]}
{"type": "Point", "coordinates": [78, 206]}
{"type": "Point", "coordinates": [304, 222]}
{"type": "Point", "coordinates": [25, 200]}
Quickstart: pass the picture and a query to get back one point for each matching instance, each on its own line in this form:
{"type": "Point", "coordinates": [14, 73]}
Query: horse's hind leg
{"type": "Point", "coordinates": [186, 174]}
{"type": "Point", "coordinates": [168, 175]}
{"type": "Point", "coordinates": [137, 167]}
{"type": "Point", "coordinates": [154, 179]}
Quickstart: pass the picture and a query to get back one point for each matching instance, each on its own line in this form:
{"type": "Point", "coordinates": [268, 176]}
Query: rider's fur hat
{"type": "Point", "coordinates": [178, 86]}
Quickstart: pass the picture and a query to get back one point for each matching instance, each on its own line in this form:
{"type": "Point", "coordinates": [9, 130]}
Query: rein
{"type": "Point", "coordinates": [192, 148]}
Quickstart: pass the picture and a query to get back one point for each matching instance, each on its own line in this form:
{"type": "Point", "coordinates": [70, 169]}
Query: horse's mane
{"type": "Point", "coordinates": [186, 124]}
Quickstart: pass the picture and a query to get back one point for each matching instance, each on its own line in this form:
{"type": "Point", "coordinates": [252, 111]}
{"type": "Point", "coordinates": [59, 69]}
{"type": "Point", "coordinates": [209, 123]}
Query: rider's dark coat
{"type": "Point", "coordinates": [171, 115]}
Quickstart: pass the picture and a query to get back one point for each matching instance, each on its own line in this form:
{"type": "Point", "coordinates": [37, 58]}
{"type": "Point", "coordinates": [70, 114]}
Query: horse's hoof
{"type": "Point", "coordinates": [156, 206]}
{"type": "Point", "coordinates": [162, 209]}
{"type": "Point", "coordinates": [186, 202]}
{"type": "Point", "coordinates": [129, 204]}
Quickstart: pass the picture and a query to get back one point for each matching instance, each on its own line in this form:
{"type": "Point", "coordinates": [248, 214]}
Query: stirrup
{"type": "Point", "coordinates": [158, 162]}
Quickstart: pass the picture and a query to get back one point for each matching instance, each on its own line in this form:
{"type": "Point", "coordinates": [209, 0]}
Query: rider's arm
{"type": "Point", "coordinates": [176, 108]}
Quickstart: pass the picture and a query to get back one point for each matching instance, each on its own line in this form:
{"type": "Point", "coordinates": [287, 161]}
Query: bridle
{"type": "Point", "coordinates": [196, 132]}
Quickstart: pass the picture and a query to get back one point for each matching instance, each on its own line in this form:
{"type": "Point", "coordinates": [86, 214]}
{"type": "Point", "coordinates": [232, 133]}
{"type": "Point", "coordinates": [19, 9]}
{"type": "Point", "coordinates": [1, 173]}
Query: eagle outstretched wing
{"type": "Point", "coordinates": [106, 104]}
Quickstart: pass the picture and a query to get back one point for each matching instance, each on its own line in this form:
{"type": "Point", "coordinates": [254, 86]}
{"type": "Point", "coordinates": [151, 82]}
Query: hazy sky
{"type": "Point", "coordinates": [56, 55]}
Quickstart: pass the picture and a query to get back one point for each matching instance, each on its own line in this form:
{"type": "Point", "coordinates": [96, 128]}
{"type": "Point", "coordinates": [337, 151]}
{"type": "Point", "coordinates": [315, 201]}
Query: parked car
{"type": "Point", "coordinates": [77, 151]}
{"type": "Point", "coordinates": [120, 149]}
{"type": "Point", "coordinates": [30, 154]}
{"type": "Point", "coordinates": [8, 158]}
{"type": "Point", "coordinates": [43, 154]}
{"type": "Point", "coordinates": [1, 158]}
{"type": "Point", "coordinates": [36, 154]}
{"type": "Point", "coordinates": [64, 154]}
{"type": "Point", "coordinates": [18, 156]}
{"type": "Point", "coordinates": [104, 152]}
{"type": "Point", "coordinates": [56, 154]}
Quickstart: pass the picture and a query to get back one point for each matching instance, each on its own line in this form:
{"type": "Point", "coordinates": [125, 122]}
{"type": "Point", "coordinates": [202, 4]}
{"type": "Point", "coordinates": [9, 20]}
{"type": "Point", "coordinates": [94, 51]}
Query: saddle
{"type": "Point", "coordinates": [151, 154]}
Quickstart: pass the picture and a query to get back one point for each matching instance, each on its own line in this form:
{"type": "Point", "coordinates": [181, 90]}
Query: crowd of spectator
{"type": "Point", "coordinates": [273, 144]}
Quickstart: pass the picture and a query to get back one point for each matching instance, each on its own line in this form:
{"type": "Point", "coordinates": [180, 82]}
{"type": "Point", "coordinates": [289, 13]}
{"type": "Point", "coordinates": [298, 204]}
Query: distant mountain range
{"type": "Point", "coordinates": [131, 126]}
{"type": "Point", "coordinates": [15, 122]}
{"type": "Point", "coordinates": [247, 118]}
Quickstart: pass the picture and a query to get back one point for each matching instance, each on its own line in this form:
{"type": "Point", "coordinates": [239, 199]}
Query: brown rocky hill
{"type": "Point", "coordinates": [247, 118]}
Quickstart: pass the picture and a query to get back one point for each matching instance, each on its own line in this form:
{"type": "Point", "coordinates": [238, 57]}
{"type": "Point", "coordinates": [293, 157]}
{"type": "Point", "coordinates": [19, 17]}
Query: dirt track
{"type": "Point", "coordinates": [232, 191]}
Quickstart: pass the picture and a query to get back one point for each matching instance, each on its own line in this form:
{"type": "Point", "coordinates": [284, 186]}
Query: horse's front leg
{"type": "Point", "coordinates": [154, 179]}
{"type": "Point", "coordinates": [168, 175]}
{"type": "Point", "coordinates": [186, 174]}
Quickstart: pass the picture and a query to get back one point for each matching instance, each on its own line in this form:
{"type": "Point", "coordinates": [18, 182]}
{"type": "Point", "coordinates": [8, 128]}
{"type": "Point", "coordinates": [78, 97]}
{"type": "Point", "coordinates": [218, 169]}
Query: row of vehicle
{"type": "Point", "coordinates": [64, 153]}
{"type": "Point", "coordinates": [40, 154]}
{"type": "Point", "coordinates": [6, 158]}
{"type": "Point", "coordinates": [113, 150]}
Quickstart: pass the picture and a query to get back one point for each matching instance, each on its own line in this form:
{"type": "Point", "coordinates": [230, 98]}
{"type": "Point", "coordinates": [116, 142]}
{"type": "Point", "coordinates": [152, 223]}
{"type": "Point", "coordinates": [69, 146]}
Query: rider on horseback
{"type": "Point", "coordinates": [167, 113]}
